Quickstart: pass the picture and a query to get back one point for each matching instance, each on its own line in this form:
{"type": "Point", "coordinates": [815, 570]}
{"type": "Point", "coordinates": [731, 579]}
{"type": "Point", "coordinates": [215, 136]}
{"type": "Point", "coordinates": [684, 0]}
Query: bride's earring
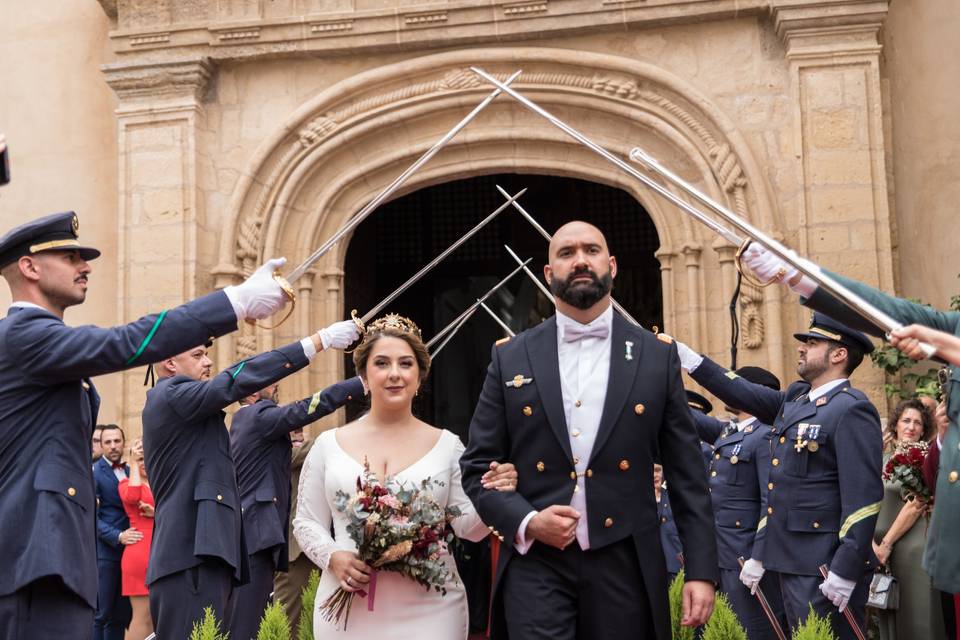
{"type": "Point", "coordinates": [366, 391]}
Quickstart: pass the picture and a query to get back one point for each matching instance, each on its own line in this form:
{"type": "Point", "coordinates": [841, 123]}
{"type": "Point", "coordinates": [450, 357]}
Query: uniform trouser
{"type": "Point", "coordinates": [800, 592]}
{"type": "Point", "coordinates": [549, 594]}
{"type": "Point", "coordinates": [113, 609]}
{"type": "Point", "coordinates": [287, 588]}
{"type": "Point", "coordinates": [747, 607]}
{"type": "Point", "coordinates": [45, 608]}
{"type": "Point", "coordinates": [248, 601]}
{"type": "Point", "coordinates": [177, 600]}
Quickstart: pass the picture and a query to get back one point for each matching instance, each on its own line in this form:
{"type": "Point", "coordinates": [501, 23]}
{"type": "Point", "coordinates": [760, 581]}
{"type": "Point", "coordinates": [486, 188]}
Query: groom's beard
{"type": "Point", "coordinates": [582, 295]}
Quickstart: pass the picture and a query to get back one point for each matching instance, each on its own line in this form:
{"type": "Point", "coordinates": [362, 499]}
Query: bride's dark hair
{"type": "Point", "coordinates": [393, 326]}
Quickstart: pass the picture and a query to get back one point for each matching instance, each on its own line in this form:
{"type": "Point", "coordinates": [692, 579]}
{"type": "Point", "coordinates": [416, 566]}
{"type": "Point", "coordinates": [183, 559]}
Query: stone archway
{"type": "Point", "coordinates": [341, 148]}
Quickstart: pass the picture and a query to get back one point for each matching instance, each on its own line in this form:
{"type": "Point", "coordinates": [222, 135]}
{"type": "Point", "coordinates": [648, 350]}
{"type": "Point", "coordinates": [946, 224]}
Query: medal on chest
{"type": "Point", "coordinates": [807, 437]}
{"type": "Point", "coordinates": [735, 454]}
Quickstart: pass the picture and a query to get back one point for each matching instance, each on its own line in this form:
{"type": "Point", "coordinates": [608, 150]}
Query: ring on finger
{"type": "Point", "coordinates": [349, 581]}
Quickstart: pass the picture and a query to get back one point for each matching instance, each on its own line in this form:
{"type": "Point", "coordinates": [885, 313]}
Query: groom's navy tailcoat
{"type": "Point", "coordinates": [645, 417]}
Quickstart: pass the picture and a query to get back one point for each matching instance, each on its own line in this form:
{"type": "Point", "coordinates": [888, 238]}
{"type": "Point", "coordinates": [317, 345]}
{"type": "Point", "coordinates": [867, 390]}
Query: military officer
{"type": "Point", "coordinates": [49, 408]}
{"type": "Point", "coordinates": [198, 552]}
{"type": "Point", "coordinates": [700, 406]}
{"type": "Point", "coordinates": [261, 448]}
{"type": "Point", "coordinates": [824, 489]}
{"type": "Point", "coordinates": [738, 475]}
{"type": "Point", "coordinates": [942, 558]}
{"type": "Point", "coordinates": [669, 536]}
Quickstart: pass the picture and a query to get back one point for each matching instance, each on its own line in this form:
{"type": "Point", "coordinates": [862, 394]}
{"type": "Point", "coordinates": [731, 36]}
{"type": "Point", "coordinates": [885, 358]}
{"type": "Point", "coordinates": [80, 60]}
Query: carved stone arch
{"type": "Point", "coordinates": [343, 146]}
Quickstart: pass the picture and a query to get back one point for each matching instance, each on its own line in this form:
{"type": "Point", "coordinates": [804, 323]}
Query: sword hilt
{"type": "Point", "coordinates": [290, 294]}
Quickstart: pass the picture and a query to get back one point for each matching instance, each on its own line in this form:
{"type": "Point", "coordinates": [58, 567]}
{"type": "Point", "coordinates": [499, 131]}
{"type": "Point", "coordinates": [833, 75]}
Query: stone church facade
{"type": "Point", "coordinates": [244, 129]}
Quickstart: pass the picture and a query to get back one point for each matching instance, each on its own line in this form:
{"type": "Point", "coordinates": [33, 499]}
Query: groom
{"type": "Point", "coordinates": [583, 404]}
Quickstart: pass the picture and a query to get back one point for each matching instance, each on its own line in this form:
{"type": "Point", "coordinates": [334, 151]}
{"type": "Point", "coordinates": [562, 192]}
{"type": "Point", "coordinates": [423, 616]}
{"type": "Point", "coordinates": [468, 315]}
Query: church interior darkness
{"type": "Point", "coordinates": [409, 231]}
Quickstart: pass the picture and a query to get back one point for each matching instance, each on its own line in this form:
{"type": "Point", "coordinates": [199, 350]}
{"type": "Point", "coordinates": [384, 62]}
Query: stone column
{"type": "Point", "coordinates": [159, 217]}
{"type": "Point", "coordinates": [843, 215]}
{"type": "Point", "coordinates": [327, 308]}
{"type": "Point", "coordinates": [691, 254]}
{"type": "Point", "coordinates": [665, 255]}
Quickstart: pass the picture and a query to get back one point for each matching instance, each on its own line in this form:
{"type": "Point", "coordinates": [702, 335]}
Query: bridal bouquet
{"type": "Point", "coordinates": [905, 467]}
{"type": "Point", "coordinates": [396, 528]}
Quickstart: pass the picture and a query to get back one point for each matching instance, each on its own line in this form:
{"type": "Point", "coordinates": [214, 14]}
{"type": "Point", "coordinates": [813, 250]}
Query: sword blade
{"type": "Point", "coordinates": [452, 333]}
{"type": "Point", "coordinates": [503, 325]}
{"type": "Point", "coordinates": [393, 186]}
{"type": "Point", "coordinates": [473, 307]}
{"type": "Point", "coordinates": [767, 609]}
{"type": "Point", "coordinates": [536, 280]}
{"type": "Point", "coordinates": [433, 263]}
{"type": "Point", "coordinates": [543, 232]}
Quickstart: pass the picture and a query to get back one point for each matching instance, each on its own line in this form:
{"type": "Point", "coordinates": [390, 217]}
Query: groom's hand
{"type": "Point", "coordinates": [698, 596]}
{"type": "Point", "coordinates": [556, 526]}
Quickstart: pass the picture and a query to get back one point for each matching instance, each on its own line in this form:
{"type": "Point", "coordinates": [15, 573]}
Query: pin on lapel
{"type": "Point", "coordinates": [518, 381]}
{"type": "Point", "coordinates": [628, 351]}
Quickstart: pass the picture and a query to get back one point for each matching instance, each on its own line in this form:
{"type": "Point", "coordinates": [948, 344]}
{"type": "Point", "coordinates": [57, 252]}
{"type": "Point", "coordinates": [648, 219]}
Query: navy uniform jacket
{"type": "Point", "coordinates": [739, 472]}
{"type": "Point", "coordinates": [669, 536]}
{"type": "Point", "coordinates": [187, 451]}
{"type": "Point", "coordinates": [111, 517]}
{"type": "Point", "coordinates": [822, 501]}
{"type": "Point", "coordinates": [645, 416]}
{"type": "Point", "coordinates": [48, 407]}
{"type": "Point", "coordinates": [260, 446]}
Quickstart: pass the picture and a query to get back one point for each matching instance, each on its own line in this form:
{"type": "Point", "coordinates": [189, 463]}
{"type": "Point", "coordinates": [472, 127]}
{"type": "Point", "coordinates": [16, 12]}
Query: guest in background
{"type": "Point", "coordinates": [95, 449]}
{"type": "Point", "coordinates": [113, 533]}
{"type": "Point", "coordinates": [901, 531]}
{"type": "Point", "coordinates": [138, 502]}
{"type": "Point", "coordinates": [287, 585]}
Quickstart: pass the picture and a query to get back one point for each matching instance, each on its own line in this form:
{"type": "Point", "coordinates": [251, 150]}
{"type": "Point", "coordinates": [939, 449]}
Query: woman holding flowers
{"type": "Point", "coordinates": [388, 486]}
{"type": "Point", "coordinates": [901, 531]}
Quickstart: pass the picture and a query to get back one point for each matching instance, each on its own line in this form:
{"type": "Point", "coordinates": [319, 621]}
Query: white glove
{"type": "Point", "coordinates": [838, 590]}
{"type": "Point", "coordinates": [750, 574]}
{"type": "Point", "coordinates": [339, 335]}
{"type": "Point", "coordinates": [689, 359]}
{"type": "Point", "coordinates": [259, 296]}
{"type": "Point", "coordinates": [767, 267]}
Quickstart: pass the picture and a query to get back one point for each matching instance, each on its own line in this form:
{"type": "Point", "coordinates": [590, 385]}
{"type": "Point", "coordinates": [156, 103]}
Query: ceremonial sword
{"type": "Point", "coordinates": [453, 332]}
{"type": "Point", "coordinates": [857, 631]}
{"type": "Point", "coordinates": [848, 298]}
{"type": "Point", "coordinates": [362, 321]}
{"type": "Point", "coordinates": [543, 232]}
{"type": "Point", "coordinates": [473, 307]}
{"type": "Point", "coordinates": [286, 282]}
{"type": "Point", "coordinates": [767, 609]}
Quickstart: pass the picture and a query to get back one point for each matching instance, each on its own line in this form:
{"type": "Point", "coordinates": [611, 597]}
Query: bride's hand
{"type": "Point", "coordinates": [352, 573]}
{"type": "Point", "coordinates": [502, 477]}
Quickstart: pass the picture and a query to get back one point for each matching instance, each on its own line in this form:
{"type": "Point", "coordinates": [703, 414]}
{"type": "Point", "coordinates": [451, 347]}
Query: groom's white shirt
{"type": "Point", "coordinates": [584, 372]}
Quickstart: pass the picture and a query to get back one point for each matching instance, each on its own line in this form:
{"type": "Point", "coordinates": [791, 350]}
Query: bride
{"type": "Point", "coordinates": [393, 362]}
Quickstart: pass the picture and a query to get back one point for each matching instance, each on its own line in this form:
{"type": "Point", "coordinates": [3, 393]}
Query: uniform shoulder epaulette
{"type": "Point", "coordinates": [662, 337]}
{"type": "Point", "coordinates": [851, 391]}
{"type": "Point", "coordinates": [502, 341]}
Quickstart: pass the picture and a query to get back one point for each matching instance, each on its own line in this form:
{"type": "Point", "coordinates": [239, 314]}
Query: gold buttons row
{"type": "Point", "coordinates": [624, 465]}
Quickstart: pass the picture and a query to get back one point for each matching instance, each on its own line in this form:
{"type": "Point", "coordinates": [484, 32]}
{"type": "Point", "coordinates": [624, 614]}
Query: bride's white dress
{"type": "Point", "coordinates": [403, 609]}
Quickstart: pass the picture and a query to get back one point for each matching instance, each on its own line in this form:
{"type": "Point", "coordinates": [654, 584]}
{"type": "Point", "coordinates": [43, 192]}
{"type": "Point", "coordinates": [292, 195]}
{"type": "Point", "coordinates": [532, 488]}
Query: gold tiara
{"type": "Point", "coordinates": [390, 321]}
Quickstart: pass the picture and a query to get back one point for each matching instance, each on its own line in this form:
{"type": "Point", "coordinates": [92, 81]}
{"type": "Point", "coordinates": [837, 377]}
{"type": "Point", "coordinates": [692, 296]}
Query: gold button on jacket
{"type": "Point", "coordinates": [624, 465]}
{"type": "Point", "coordinates": [608, 523]}
{"type": "Point", "coordinates": [638, 409]}
{"type": "Point", "coordinates": [541, 466]}
{"type": "Point", "coordinates": [527, 411]}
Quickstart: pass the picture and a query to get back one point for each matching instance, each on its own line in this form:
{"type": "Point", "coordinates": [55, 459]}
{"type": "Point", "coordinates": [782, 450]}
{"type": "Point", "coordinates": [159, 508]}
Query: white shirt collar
{"type": "Point", "coordinates": [743, 424]}
{"type": "Point", "coordinates": [604, 319]}
{"type": "Point", "coordinates": [825, 388]}
{"type": "Point", "coordinates": [25, 305]}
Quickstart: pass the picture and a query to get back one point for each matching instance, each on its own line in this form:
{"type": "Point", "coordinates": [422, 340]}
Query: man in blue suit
{"type": "Point", "coordinates": [49, 406]}
{"type": "Point", "coordinates": [261, 448]}
{"type": "Point", "coordinates": [738, 473]}
{"type": "Point", "coordinates": [824, 489]}
{"type": "Point", "coordinates": [199, 552]}
{"type": "Point", "coordinates": [113, 533]}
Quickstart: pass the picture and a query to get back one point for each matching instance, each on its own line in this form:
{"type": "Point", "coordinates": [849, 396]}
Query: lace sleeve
{"type": "Point", "coordinates": [313, 521]}
{"type": "Point", "coordinates": [468, 526]}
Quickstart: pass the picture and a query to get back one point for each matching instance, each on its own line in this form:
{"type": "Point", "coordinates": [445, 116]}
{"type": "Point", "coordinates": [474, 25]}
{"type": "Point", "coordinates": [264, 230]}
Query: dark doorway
{"type": "Point", "coordinates": [406, 233]}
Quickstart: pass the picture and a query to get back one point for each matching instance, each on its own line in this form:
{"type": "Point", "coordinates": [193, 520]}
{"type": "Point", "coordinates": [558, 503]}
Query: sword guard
{"type": "Point", "coordinates": [357, 320]}
{"type": "Point", "coordinates": [290, 294]}
{"type": "Point", "coordinates": [747, 275]}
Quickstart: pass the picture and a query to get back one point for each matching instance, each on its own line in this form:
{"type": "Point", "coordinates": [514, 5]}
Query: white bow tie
{"type": "Point", "coordinates": [576, 332]}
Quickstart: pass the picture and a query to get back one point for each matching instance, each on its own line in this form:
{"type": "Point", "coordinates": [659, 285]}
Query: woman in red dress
{"type": "Point", "coordinates": [139, 504]}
